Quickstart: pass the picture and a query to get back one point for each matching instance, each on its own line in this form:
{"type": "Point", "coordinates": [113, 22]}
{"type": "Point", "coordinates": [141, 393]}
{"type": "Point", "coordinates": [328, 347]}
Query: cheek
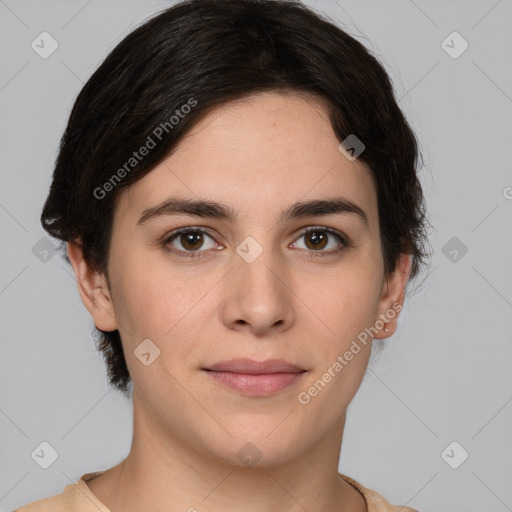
{"type": "Point", "coordinates": [345, 300]}
{"type": "Point", "coordinates": [347, 306]}
{"type": "Point", "coordinates": [165, 306]}
{"type": "Point", "coordinates": [143, 293]}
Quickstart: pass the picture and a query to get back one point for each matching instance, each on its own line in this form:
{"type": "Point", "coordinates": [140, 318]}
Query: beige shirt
{"type": "Point", "coordinates": [79, 498]}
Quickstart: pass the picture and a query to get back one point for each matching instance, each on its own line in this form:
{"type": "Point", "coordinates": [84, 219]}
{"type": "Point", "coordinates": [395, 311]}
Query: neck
{"type": "Point", "coordinates": [163, 471]}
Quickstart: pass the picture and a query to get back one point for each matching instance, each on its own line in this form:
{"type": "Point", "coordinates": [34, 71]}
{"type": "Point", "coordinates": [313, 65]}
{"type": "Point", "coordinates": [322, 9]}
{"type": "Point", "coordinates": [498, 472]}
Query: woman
{"type": "Point", "coordinates": [238, 195]}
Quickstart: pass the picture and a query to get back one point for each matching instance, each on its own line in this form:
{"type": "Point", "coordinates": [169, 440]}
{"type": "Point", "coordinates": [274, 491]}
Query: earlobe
{"type": "Point", "coordinates": [393, 295]}
{"type": "Point", "coordinates": [93, 289]}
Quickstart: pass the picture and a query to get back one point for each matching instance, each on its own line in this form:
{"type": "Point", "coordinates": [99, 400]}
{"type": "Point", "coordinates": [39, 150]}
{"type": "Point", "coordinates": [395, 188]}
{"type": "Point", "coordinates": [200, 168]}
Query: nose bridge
{"type": "Point", "coordinates": [258, 292]}
{"type": "Point", "coordinates": [259, 262]}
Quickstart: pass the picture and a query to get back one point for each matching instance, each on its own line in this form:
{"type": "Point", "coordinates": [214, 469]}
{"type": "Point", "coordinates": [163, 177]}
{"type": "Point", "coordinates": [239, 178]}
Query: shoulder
{"type": "Point", "coordinates": [53, 503]}
{"type": "Point", "coordinates": [376, 502]}
{"type": "Point", "coordinates": [76, 497]}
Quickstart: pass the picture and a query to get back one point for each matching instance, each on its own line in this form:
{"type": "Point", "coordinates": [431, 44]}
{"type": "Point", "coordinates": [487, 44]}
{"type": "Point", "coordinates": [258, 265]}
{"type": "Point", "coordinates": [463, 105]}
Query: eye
{"type": "Point", "coordinates": [318, 238]}
{"type": "Point", "coordinates": [191, 240]}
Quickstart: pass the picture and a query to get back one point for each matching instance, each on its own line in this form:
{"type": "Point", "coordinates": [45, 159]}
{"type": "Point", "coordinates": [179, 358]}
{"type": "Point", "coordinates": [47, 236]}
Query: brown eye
{"type": "Point", "coordinates": [191, 241]}
{"type": "Point", "coordinates": [316, 240]}
{"type": "Point", "coordinates": [188, 241]}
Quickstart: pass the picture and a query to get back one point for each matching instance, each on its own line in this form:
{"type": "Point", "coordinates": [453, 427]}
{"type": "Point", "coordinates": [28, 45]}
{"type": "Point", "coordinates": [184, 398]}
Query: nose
{"type": "Point", "coordinates": [259, 295]}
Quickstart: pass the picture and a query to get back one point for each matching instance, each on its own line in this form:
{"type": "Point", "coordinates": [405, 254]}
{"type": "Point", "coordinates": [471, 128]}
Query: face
{"type": "Point", "coordinates": [253, 286]}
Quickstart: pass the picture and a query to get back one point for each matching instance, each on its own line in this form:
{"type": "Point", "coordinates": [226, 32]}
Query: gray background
{"type": "Point", "coordinates": [444, 377]}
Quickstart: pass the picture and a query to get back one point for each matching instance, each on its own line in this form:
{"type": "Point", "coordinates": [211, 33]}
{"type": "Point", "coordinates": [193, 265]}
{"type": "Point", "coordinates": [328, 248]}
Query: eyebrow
{"type": "Point", "coordinates": [214, 210]}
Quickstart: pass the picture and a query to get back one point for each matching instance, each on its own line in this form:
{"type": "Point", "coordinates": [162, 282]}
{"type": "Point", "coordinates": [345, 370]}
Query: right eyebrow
{"type": "Point", "coordinates": [196, 208]}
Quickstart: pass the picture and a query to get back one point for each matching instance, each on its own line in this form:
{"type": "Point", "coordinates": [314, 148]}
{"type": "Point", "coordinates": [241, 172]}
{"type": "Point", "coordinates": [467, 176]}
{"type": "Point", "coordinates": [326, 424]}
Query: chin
{"type": "Point", "coordinates": [252, 451]}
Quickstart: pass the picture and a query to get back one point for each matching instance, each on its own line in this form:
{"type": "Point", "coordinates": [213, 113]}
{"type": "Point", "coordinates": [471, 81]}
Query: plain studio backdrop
{"type": "Point", "coordinates": [430, 426]}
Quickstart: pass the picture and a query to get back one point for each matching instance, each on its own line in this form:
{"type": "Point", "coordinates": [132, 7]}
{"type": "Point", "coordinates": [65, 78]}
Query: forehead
{"type": "Point", "coordinates": [266, 150]}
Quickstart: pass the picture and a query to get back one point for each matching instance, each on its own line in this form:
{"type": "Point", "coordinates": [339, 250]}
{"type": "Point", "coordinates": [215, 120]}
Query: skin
{"type": "Point", "coordinates": [258, 156]}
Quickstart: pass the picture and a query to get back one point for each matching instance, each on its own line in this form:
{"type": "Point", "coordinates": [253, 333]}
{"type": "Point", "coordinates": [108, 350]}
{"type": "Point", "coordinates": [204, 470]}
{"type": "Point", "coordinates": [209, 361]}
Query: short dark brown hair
{"type": "Point", "coordinates": [204, 53]}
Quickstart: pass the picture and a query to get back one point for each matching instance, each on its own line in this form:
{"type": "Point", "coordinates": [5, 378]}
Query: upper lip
{"type": "Point", "coordinates": [250, 366]}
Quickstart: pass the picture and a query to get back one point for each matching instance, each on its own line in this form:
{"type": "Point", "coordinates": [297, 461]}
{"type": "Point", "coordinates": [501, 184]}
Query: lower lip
{"type": "Point", "coordinates": [256, 385]}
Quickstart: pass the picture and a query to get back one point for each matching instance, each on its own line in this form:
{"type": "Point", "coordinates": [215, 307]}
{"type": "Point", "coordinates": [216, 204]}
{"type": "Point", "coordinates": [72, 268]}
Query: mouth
{"type": "Point", "coordinates": [255, 378]}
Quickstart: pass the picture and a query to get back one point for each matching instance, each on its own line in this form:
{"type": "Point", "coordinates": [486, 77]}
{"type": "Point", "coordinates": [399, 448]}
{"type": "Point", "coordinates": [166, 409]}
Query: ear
{"type": "Point", "coordinates": [392, 297]}
{"type": "Point", "coordinates": [93, 289]}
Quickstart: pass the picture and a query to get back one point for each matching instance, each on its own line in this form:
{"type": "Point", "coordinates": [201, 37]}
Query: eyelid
{"type": "Point", "coordinates": [344, 238]}
{"type": "Point", "coordinates": [168, 238]}
{"type": "Point", "coordinates": [188, 229]}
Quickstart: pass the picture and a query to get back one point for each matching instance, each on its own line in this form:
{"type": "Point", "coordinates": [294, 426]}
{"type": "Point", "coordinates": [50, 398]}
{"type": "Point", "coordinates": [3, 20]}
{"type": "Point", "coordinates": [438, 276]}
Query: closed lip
{"type": "Point", "coordinates": [252, 367]}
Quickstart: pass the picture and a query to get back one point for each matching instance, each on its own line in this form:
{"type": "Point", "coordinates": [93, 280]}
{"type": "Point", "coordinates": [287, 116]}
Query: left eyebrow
{"type": "Point", "coordinates": [323, 207]}
{"type": "Point", "coordinates": [214, 210]}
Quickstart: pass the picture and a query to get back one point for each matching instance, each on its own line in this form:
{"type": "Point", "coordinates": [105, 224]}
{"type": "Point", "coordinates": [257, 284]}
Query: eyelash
{"type": "Point", "coordinates": [345, 241]}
